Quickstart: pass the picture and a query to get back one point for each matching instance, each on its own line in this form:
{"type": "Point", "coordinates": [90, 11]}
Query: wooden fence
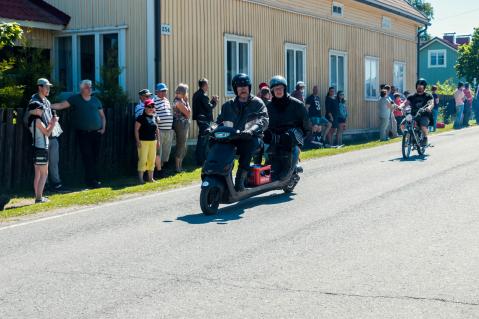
{"type": "Point", "coordinates": [118, 152]}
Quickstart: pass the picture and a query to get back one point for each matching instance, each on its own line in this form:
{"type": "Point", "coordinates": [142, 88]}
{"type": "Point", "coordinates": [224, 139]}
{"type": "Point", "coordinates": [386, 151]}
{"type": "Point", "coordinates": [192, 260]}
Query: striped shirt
{"type": "Point", "coordinates": [164, 113]}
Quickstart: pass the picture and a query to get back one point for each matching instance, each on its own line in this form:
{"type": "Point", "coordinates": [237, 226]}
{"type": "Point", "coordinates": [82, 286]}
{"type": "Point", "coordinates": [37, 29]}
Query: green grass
{"type": "Point", "coordinates": [122, 188]}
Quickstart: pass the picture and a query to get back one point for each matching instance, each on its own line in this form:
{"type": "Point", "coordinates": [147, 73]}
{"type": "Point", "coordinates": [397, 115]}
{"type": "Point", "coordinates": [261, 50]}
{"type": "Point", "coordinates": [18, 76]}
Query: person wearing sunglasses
{"type": "Point", "coordinates": [147, 137]}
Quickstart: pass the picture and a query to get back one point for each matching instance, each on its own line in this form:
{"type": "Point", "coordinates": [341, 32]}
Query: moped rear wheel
{"type": "Point", "coordinates": [406, 145]}
{"type": "Point", "coordinates": [210, 198]}
{"type": "Point", "coordinates": [289, 188]}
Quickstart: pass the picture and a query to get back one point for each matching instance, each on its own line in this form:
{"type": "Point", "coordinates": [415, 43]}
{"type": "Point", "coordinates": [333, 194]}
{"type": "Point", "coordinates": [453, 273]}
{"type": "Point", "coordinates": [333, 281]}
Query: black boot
{"type": "Point", "coordinates": [240, 179]}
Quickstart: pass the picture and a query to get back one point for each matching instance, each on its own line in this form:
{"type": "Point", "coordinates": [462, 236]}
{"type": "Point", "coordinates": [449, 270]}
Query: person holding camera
{"type": "Point", "coordinates": [41, 131]}
{"type": "Point", "coordinates": [41, 99]}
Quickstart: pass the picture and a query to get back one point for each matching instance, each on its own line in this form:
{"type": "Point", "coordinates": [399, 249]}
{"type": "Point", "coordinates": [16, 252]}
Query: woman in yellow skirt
{"type": "Point", "coordinates": [147, 138]}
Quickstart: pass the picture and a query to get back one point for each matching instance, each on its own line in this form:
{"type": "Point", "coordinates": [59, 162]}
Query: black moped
{"type": "Point", "coordinates": [217, 174]}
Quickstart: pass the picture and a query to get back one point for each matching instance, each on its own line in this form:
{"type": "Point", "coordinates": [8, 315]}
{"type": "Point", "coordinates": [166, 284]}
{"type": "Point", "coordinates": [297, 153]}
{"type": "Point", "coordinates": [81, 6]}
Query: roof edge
{"type": "Point", "coordinates": [404, 14]}
{"type": "Point", "coordinates": [65, 18]}
{"type": "Point", "coordinates": [437, 39]}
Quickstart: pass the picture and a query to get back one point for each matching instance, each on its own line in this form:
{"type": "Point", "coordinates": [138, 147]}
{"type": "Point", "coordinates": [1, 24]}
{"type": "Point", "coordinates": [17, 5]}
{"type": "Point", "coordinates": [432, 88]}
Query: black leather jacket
{"type": "Point", "coordinates": [253, 112]}
{"type": "Point", "coordinates": [202, 107]}
{"type": "Point", "coordinates": [287, 113]}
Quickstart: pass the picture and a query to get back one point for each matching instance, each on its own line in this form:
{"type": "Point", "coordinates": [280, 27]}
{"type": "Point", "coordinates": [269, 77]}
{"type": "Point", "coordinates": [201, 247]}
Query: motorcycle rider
{"type": "Point", "coordinates": [247, 114]}
{"type": "Point", "coordinates": [421, 100]}
{"type": "Point", "coordinates": [288, 125]}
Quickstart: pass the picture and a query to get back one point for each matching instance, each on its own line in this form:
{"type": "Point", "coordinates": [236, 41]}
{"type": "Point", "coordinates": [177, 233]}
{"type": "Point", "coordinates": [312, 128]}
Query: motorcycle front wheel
{"type": "Point", "coordinates": [406, 145]}
{"type": "Point", "coordinates": [210, 198]}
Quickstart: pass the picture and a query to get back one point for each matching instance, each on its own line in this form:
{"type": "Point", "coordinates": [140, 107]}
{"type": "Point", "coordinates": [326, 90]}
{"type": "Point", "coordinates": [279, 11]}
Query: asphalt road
{"type": "Point", "coordinates": [366, 235]}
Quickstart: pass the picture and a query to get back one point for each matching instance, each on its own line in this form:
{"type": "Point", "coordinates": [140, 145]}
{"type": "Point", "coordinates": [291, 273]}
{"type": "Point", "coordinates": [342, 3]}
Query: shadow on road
{"type": "Point", "coordinates": [235, 211]}
{"type": "Point", "coordinates": [413, 158]}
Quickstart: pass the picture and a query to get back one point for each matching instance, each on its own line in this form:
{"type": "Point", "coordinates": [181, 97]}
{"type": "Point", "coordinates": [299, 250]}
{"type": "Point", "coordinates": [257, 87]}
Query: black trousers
{"type": "Point", "coordinates": [246, 149]}
{"type": "Point", "coordinates": [89, 142]}
{"type": "Point", "coordinates": [202, 143]}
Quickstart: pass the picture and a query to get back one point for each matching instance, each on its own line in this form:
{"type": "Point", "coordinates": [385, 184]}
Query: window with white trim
{"type": "Point", "coordinates": [386, 23]}
{"type": "Point", "coordinates": [338, 70]}
{"type": "Point", "coordinates": [399, 76]}
{"type": "Point", "coordinates": [437, 58]}
{"type": "Point", "coordinates": [337, 9]}
{"type": "Point", "coordinates": [238, 59]}
{"type": "Point", "coordinates": [295, 56]}
{"type": "Point", "coordinates": [371, 83]}
{"type": "Point", "coordinates": [82, 55]}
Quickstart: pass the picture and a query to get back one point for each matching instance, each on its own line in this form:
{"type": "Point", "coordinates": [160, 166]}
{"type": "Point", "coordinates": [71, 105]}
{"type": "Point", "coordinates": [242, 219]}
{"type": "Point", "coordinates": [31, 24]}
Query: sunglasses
{"type": "Point", "coordinates": [150, 107]}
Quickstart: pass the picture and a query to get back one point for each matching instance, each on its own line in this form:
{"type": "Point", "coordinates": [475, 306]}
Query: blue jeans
{"type": "Point", "coordinates": [459, 113]}
{"type": "Point", "coordinates": [435, 114]}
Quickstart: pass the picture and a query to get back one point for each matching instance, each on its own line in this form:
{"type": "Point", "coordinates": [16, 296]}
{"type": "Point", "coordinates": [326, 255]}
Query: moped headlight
{"type": "Point", "coordinates": [409, 117]}
{"type": "Point", "coordinates": [221, 135]}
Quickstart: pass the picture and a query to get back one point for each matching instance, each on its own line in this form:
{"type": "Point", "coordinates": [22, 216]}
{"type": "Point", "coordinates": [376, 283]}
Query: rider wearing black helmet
{"type": "Point", "coordinates": [288, 125]}
{"type": "Point", "coordinates": [247, 114]}
{"type": "Point", "coordinates": [423, 102]}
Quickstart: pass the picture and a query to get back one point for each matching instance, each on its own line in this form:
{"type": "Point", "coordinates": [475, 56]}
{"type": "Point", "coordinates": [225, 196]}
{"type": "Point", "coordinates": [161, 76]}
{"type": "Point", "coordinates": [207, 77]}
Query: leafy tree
{"type": "Point", "coordinates": [110, 92]}
{"type": "Point", "coordinates": [10, 93]}
{"type": "Point", "coordinates": [468, 59]}
{"type": "Point", "coordinates": [425, 8]}
{"type": "Point", "coordinates": [9, 34]}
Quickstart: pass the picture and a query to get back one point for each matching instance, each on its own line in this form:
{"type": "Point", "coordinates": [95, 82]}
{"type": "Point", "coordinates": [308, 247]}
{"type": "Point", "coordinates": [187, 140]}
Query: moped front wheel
{"type": "Point", "coordinates": [289, 188]}
{"type": "Point", "coordinates": [406, 145]}
{"type": "Point", "coordinates": [210, 198]}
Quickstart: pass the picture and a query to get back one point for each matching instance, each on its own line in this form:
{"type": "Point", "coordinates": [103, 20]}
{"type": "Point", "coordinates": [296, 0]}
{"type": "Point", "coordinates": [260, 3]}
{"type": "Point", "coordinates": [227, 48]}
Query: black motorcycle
{"type": "Point", "coordinates": [217, 174]}
{"type": "Point", "coordinates": [413, 136]}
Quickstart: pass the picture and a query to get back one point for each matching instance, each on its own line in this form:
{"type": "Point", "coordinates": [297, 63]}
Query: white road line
{"type": "Point", "coordinates": [98, 206]}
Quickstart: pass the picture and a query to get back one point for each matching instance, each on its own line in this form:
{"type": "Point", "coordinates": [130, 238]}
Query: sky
{"type": "Point", "coordinates": [459, 16]}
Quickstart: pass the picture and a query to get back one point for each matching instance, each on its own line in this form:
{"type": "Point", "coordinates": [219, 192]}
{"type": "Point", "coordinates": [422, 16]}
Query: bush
{"type": "Point", "coordinates": [110, 92]}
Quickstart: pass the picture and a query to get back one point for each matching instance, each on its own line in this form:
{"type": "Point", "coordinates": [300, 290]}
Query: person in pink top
{"type": "Point", "coordinates": [467, 105]}
{"type": "Point", "coordinates": [459, 98]}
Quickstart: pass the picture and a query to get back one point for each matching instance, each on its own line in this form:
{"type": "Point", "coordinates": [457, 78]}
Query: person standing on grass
{"type": "Point", "coordinates": [181, 116]}
{"type": "Point", "coordinates": [298, 93]}
{"type": "Point", "coordinates": [467, 105]}
{"type": "Point", "coordinates": [144, 95]}
{"type": "Point", "coordinates": [321, 125]}
{"type": "Point", "coordinates": [90, 124]}
{"type": "Point", "coordinates": [435, 110]}
{"type": "Point", "coordinates": [397, 112]}
{"type": "Point", "coordinates": [384, 111]}
{"type": "Point", "coordinates": [164, 116]}
{"type": "Point", "coordinates": [203, 115]}
{"type": "Point", "coordinates": [147, 138]}
{"type": "Point", "coordinates": [41, 97]}
{"type": "Point", "coordinates": [41, 130]}
{"type": "Point", "coordinates": [342, 117]}
{"type": "Point", "coordinates": [459, 98]}
{"type": "Point", "coordinates": [332, 114]}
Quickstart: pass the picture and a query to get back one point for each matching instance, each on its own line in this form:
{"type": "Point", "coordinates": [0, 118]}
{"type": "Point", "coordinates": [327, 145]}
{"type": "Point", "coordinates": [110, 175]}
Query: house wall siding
{"type": "Point", "coordinates": [89, 14]}
{"type": "Point", "coordinates": [434, 75]}
{"type": "Point", "coordinates": [195, 49]}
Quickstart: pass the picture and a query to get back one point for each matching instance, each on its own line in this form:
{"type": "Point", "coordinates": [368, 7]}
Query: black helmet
{"type": "Point", "coordinates": [278, 80]}
{"type": "Point", "coordinates": [422, 82]}
{"type": "Point", "coordinates": [240, 80]}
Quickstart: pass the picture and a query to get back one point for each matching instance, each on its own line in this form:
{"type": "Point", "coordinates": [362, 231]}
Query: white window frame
{"type": "Point", "coordinates": [340, 5]}
{"type": "Point", "coordinates": [345, 56]}
{"type": "Point", "coordinates": [386, 23]}
{"type": "Point", "coordinates": [97, 33]}
{"type": "Point", "coordinates": [403, 64]}
{"type": "Point", "coordinates": [436, 52]}
{"type": "Point", "coordinates": [295, 48]}
{"type": "Point", "coordinates": [368, 97]}
{"type": "Point", "coordinates": [238, 39]}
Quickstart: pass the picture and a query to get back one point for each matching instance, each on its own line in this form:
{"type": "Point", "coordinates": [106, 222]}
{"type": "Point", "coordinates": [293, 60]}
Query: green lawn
{"type": "Point", "coordinates": [121, 188]}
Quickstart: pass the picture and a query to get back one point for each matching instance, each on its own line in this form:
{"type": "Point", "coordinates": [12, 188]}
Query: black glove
{"type": "Point", "coordinates": [268, 137]}
{"type": "Point", "coordinates": [286, 140]}
{"type": "Point", "coordinates": [246, 135]}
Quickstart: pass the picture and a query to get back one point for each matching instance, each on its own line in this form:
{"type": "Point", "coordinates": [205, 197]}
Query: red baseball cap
{"type": "Point", "coordinates": [263, 85]}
